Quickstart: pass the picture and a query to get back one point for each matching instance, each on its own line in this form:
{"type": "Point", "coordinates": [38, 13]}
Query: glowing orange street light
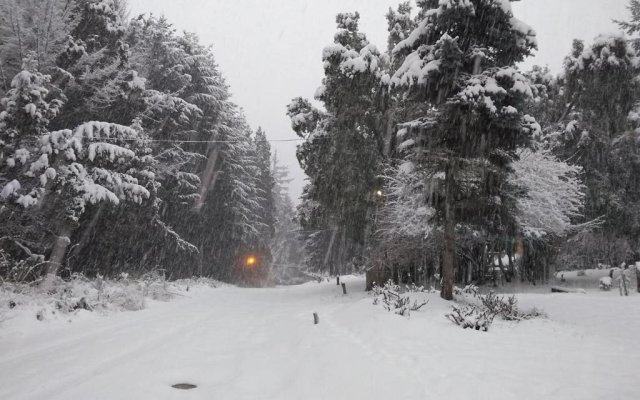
{"type": "Point", "coordinates": [251, 261]}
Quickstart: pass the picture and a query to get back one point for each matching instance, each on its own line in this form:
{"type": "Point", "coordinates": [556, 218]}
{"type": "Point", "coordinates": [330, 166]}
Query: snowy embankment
{"type": "Point", "coordinates": [55, 299]}
{"type": "Point", "coordinates": [236, 343]}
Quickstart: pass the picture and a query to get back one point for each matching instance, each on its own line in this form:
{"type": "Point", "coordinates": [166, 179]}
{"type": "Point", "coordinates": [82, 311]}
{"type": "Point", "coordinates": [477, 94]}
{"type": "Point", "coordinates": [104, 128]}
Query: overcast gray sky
{"type": "Point", "coordinates": [270, 50]}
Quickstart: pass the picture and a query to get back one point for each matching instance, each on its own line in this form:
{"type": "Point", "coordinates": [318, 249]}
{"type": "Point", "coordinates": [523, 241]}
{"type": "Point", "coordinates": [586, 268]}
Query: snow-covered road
{"type": "Point", "coordinates": [236, 343]}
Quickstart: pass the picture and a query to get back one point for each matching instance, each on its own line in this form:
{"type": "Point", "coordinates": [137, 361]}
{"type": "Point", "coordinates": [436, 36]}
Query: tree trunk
{"type": "Point", "coordinates": [328, 256]}
{"type": "Point", "coordinates": [449, 250]}
{"type": "Point", "coordinates": [56, 260]}
{"type": "Point", "coordinates": [512, 272]}
{"type": "Point", "coordinates": [209, 177]}
{"type": "Point", "coordinates": [483, 265]}
{"type": "Point", "coordinates": [501, 266]}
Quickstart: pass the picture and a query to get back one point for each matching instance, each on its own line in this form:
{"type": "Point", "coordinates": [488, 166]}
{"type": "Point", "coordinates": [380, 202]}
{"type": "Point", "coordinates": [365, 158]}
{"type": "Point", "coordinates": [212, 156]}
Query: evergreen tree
{"type": "Point", "coordinates": [342, 151]}
{"type": "Point", "coordinates": [31, 26]}
{"type": "Point", "coordinates": [632, 27]}
{"type": "Point", "coordinates": [400, 25]}
{"type": "Point", "coordinates": [100, 197]}
{"type": "Point", "coordinates": [265, 185]}
{"type": "Point", "coordinates": [472, 122]}
{"type": "Point", "coordinates": [233, 204]}
{"type": "Point", "coordinates": [285, 246]}
{"type": "Point", "coordinates": [93, 70]}
{"type": "Point", "coordinates": [58, 175]}
{"type": "Point", "coordinates": [598, 135]}
{"type": "Point", "coordinates": [26, 112]}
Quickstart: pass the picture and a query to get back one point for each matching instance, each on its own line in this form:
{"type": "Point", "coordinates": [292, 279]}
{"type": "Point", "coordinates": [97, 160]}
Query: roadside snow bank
{"type": "Point", "coordinates": [65, 299]}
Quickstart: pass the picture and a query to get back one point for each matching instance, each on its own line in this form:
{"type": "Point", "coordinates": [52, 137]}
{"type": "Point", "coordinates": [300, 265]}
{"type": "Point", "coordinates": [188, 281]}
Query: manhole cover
{"type": "Point", "coordinates": [184, 386]}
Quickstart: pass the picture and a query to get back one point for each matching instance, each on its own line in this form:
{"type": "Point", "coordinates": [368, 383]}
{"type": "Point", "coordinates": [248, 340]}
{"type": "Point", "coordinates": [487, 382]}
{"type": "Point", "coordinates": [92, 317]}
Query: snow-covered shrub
{"type": "Point", "coordinates": [413, 288]}
{"type": "Point", "coordinates": [20, 270]}
{"type": "Point", "coordinates": [479, 311]}
{"type": "Point", "coordinates": [62, 297]}
{"type": "Point", "coordinates": [392, 300]}
{"type": "Point", "coordinates": [470, 316]}
{"type": "Point", "coordinates": [506, 308]}
{"type": "Point", "coordinates": [155, 286]}
{"type": "Point", "coordinates": [469, 289]}
{"type": "Point", "coordinates": [605, 283]}
{"type": "Point", "coordinates": [124, 294]}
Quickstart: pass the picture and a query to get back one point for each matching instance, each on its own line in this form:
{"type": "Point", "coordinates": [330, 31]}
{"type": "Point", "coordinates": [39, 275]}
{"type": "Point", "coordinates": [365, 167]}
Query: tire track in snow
{"type": "Point", "coordinates": [66, 383]}
{"type": "Point", "coordinates": [53, 346]}
{"type": "Point", "coordinates": [373, 350]}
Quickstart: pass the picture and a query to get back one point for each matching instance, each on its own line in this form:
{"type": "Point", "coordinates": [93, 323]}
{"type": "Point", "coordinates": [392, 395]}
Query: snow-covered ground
{"type": "Point", "coordinates": [238, 343]}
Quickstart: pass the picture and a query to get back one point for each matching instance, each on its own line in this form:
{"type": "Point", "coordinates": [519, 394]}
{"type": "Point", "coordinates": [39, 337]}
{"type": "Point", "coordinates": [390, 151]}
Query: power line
{"type": "Point", "coordinates": [200, 141]}
{"type": "Point", "coordinates": [106, 139]}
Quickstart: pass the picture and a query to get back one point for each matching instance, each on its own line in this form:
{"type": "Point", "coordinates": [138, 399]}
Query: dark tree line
{"type": "Point", "coordinates": [440, 157]}
{"type": "Point", "coordinates": [120, 150]}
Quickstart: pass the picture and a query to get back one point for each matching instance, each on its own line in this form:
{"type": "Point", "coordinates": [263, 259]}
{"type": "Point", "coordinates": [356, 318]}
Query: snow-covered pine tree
{"type": "Point", "coordinates": [202, 184]}
{"type": "Point", "coordinates": [632, 27]}
{"type": "Point", "coordinates": [201, 170]}
{"type": "Point", "coordinates": [599, 135]}
{"type": "Point", "coordinates": [39, 27]}
{"type": "Point", "coordinates": [471, 122]}
{"type": "Point", "coordinates": [343, 149]}
{"type": "Point", "coordinates": [400, 24]}
{"type": "Point", "coordinates": [25, 114]}
{"type": "Point", "coordinates": [166, 60]}
{"type": "Point", "coordinates": [286, 248]}
{"type": "Point", "coordinates": [56, 176]}
{"type": "Point", "coordinates": [92, 68]}
{"type": "Point", "coordinates": [100, 85]}
{"type": "Point", "coordinates": [265, 188]}
{"type": "Point", "coordinates": [233, 204]}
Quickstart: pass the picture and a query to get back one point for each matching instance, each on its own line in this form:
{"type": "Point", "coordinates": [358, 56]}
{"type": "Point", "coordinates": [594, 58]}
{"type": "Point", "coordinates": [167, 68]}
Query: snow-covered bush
{"type": "Point", "coordinates": [605, 283]}
{"type": "Point", "coordinates": [499, 306]}
{"type": "Point", "coordinates": [478, 311]}
{"type": "Point", "coordinates": [469, 289]}
{"type": "Point", "coordinates": [64, 297]}
{"type": "Point", "coordinates": [413, 288]}
{"type": "Point", "coordinates": [392, 300]}
{"type": "Point", "coordinates": [469, 316]}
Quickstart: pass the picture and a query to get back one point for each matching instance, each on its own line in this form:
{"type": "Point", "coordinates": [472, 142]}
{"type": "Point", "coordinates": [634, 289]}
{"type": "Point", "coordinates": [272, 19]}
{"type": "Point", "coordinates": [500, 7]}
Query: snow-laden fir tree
{"type": "Point", "coordinates": [632, 27]}
{"type": "Point", "coordinates": [25, 113]}
{"type": "Point", "coordinates": [286, 248]}
{"type": "Point", "coordinates": [342, 149]}
{"type": "Point", "coordinates": [31, 26]}
{"type": "Point", "coordinates": [92, 68]}
{"type": "Point", "coordinates": [102, 197]}
{"type": "Point", "coordinates": [51, 178]}
{"type": "Point", "coordinates": [471, 121]}
{"type": "Point", "coordinates": [599, 136]}
{"type": "Point", "coordinates": [234, 204]}
{"type": "Point", "coordinates": [101, 84]}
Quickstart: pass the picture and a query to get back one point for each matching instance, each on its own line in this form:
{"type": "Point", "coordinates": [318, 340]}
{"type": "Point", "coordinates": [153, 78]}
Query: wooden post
{"type": "Point", "coordinates": [316, 319]}
{"type": "Point", "coordinates": [344, 288]}
{"type": "Point", "coordinates": [337, 281]}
